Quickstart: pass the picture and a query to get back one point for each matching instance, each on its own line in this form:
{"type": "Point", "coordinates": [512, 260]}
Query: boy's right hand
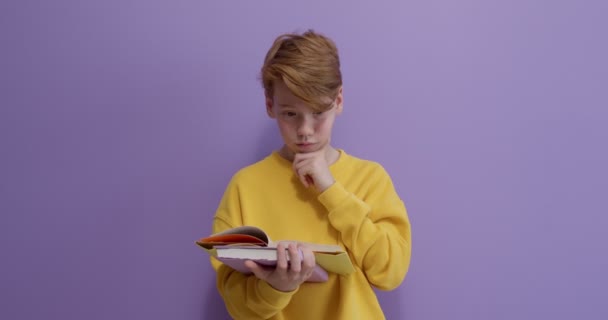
{"type": "Point", "coordinates": [286, 276]}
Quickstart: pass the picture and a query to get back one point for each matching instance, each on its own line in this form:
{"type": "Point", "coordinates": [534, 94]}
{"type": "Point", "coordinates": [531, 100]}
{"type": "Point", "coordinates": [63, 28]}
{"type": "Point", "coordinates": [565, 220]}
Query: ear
{"type": "Point", "coordinates": [269, 108]}
{"type": "Point", "coordinates": [339, 101]}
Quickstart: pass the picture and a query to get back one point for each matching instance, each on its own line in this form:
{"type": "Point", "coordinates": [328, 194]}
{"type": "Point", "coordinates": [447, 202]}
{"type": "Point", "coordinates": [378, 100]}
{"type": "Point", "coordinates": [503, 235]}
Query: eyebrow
{"type": "Point", "coordinates": [285, 105]}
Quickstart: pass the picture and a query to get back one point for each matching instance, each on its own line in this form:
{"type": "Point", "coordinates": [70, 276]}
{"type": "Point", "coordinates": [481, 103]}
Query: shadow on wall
{"type": "Point", "coordinates": [270, 140]}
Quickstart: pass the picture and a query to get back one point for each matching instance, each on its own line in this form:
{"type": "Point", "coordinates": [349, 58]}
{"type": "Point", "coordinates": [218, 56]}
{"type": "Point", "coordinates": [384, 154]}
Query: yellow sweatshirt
{"type": "Point", "coordinates": [361, 212]}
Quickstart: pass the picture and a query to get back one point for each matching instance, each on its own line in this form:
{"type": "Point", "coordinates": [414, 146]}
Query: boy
{"type": "Point", "coordinates": [312, 192]}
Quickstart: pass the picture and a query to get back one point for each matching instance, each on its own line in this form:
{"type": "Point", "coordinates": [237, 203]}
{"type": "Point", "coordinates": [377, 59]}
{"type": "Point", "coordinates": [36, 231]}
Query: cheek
{"type": "Point", "coordinates": [324, 126]}
{"type": "Point", "coordinates": [285, 127]}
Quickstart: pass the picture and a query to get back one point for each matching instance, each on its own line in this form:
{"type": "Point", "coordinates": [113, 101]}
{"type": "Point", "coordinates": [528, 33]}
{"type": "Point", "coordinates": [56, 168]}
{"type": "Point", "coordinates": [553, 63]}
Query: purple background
{"type": "Point", "coordinates": [121, 123]}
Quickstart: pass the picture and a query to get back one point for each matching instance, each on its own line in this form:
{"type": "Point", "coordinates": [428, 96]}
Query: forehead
{"type": "Point", "coordinates": [283, 97]}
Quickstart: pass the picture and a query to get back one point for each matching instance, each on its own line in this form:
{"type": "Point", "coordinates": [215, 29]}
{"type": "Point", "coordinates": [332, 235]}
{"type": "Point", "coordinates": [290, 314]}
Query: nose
{"type": "Point", "coordinates": [305, 127]}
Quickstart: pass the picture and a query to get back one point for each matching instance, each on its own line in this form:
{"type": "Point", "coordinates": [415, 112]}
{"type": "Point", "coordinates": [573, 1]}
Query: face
{"type": "Point", "coordinates": [302, 128]}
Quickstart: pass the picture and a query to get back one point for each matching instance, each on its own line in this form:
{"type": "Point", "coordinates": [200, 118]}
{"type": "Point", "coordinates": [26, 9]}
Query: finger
{"type": "Point", "coordinates": [294, 258]}
{"type": "Point", "coordinates": [304, 180]}
{"type": "Point", "coordinates": [310, 180]}
{"type": "Point", "coordinates": [299, 158]}
{"type": "Point", "coordinates": [301, 173]}
{"type": "Point", "coordinates": [281, 257]}
{"type": "Point", "coordinates": [308, 262]}
{"type": "Point", "coordinates": [298, 165]}
{"type": "Point", "coordinates": [308, 155]}
{"type": "Point", "coordinates": [308, 257]}
{"type": "Point", "coordinates": [305, 163]}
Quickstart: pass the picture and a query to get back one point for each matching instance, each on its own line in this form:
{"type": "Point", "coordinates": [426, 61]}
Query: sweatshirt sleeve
{"type": "Point", "coordinates": [374, 227]}
{"type": "Point", "coordinates": [245, 296]}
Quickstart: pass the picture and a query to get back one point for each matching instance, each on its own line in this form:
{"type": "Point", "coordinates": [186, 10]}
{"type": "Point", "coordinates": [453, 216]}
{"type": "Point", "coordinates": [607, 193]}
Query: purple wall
{"type": "Point", "coordinates": [121, 123]}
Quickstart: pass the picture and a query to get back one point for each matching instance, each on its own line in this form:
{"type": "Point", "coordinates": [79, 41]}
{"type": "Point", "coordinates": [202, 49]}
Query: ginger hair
{"type": "Point", "coordinates": [308, 64]}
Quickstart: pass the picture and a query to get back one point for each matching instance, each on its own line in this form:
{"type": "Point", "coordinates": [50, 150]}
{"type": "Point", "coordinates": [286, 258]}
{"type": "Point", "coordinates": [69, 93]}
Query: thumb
{"type": "Point", "coordinates": [257, 270]}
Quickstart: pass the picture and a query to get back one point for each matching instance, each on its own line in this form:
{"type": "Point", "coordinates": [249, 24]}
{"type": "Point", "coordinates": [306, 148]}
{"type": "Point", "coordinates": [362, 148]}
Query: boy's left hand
{"type": "Point", "coordinates": [313, 170]}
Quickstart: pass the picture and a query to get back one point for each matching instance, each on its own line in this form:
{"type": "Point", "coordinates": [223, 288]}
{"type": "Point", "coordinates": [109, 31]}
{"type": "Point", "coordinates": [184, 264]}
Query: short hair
{"type": "Point", "coordinates": [308, 64]}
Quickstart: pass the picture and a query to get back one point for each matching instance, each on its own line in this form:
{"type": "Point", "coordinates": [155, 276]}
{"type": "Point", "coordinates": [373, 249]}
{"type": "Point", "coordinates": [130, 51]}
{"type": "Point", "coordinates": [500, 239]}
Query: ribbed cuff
{"type": "Point", "coordinates": [333, 196]}
{"type": "Point", "coordinates": [344, 209]}
{"type": "Point", "coordinates": [272, 296]}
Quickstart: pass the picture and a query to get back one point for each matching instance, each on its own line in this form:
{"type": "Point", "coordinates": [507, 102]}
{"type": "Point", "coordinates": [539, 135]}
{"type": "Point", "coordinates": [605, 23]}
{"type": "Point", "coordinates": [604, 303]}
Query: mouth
{"type": "Point", "coordinates": [305, 146]}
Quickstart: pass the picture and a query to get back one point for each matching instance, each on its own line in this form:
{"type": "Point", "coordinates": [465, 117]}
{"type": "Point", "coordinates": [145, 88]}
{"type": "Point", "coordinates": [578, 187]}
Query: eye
{"type": "Point", "coordinates": [289, 114]}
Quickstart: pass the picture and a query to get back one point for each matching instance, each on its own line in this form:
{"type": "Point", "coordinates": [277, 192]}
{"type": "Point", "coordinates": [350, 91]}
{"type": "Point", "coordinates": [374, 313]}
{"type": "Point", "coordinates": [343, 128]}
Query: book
{"type": "Point", "coordinates": [235, 257]}
{"type": "Point", "coordinates": [235, 246]}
